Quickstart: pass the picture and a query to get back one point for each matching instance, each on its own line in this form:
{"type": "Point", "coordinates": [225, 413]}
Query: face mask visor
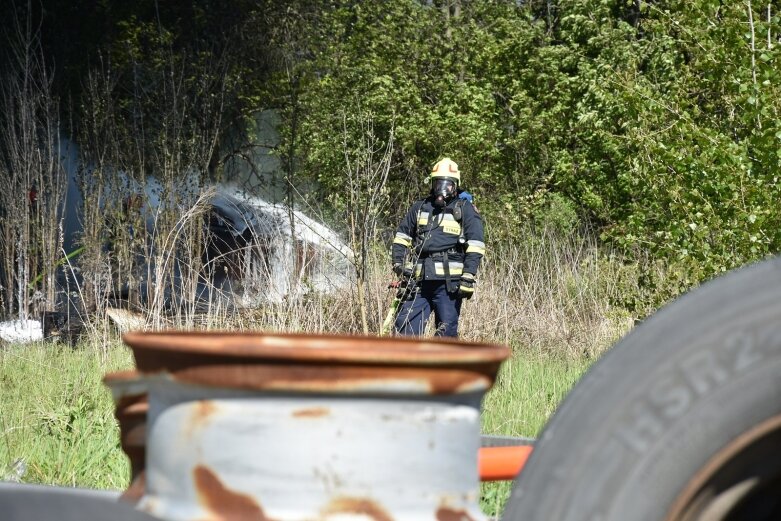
{"type": "Point", "coordinates": [445, 188]}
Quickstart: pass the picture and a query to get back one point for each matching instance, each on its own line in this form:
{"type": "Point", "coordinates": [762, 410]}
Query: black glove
{"type": "Point", "coordinates": [466, 286]}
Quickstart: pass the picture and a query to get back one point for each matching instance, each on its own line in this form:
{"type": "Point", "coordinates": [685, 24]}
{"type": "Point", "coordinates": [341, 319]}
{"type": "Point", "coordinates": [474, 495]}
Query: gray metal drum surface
{"type": "Point", "coordinates": [308, 427]}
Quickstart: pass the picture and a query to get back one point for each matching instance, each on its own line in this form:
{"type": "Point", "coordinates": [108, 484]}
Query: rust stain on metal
{"type": "Point", "coordinates": [136, 490]}
{"type": "Point", "coordinates": [205, 409]}
{"type": "Point", "coordinates": [359, 506]}
{"type": "Point", "coordinates": [200, 415]}
{"type": "Point", "coordinates": [449, 514]}
{"type": "Point", "coordinates": [226, 504]}
{"type": "Point", "coordinates": [313, 412]}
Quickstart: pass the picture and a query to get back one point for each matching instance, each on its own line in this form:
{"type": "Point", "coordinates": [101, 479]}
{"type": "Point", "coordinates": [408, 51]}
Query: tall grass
{"type": "Point", "coordinates": [527, 391]}
{"type": "Point", "coordinates": [548, 293]}
{"type": "Point", "coordinates": [56, 418]}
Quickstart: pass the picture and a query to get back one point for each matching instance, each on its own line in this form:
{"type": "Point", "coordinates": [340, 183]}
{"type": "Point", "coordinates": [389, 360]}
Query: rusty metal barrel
{"type": "Point", "coordinates": [129, 392]}
{"type": "Point", "coordinates": [295, 427]}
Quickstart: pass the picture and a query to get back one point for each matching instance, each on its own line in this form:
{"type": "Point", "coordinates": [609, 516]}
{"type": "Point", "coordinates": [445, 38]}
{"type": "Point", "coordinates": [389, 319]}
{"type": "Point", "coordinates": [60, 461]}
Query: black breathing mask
{"type": "Point", "coordinates": [443, 190]}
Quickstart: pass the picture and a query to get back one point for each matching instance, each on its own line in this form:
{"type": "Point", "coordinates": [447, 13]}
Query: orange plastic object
{"type": "Point", "coordinates": [502, 463]}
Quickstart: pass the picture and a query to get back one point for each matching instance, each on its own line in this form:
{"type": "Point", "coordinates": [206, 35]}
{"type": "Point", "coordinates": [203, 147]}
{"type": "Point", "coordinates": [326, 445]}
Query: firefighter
{"type": "Point", "coordinates": [437, 251]}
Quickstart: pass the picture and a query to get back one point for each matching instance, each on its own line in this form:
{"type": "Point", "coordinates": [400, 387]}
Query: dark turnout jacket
{"type": "Point", "coordinates": [435, 244]}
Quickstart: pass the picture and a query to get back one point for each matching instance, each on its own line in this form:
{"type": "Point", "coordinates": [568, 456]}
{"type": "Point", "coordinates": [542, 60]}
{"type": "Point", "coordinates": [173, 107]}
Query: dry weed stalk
{"type": "Point", "coordinates": [33, 183]}
{"type": "Point", "coordinates": [144, 163]}
{"type": "Point", "coordinates": [544, 294]}
{"type": "Point", "coordinates": [366, 170]}
{"type": "Point", "coordinates": [549, 293]}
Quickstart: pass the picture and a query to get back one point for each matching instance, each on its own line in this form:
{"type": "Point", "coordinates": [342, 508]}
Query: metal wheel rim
{"type": "Point", "coordinates": [742, 479]}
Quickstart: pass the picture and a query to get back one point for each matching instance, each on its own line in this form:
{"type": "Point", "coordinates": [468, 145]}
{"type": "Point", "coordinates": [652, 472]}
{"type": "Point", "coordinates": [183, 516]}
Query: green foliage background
{"type": "Point", "coordinates": [655, 123]}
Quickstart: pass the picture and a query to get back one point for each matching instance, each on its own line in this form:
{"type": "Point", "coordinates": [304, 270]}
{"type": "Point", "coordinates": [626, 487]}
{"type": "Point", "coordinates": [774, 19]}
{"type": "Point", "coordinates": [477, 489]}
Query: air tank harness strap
{"type": "Point", "coordinates": [450, 284]}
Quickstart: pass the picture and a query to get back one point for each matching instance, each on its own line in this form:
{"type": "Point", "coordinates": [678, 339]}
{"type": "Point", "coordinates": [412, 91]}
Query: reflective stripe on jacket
{"type": "Point", "coordinates": [429, 237]}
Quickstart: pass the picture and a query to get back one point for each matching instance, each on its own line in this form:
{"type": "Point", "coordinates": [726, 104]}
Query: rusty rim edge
{"type": "Point", "coordinates": [127, 375]}
{"type": "Point", "coordinates": [440, 381]}
{"type": "Point", "coordinates": [302, 346]}
{"type": "Point", "coordinates": [724, 455]}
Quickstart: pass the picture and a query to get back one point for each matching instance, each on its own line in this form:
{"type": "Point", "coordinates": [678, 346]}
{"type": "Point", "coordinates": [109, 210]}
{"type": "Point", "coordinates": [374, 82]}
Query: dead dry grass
{"type": "Point", "coordinates": [544, 294]}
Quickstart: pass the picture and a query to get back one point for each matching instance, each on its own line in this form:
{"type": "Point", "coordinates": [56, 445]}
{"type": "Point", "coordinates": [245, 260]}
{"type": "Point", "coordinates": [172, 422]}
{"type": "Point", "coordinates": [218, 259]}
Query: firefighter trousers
{"type": "Point", "coordinates": [433, 296]}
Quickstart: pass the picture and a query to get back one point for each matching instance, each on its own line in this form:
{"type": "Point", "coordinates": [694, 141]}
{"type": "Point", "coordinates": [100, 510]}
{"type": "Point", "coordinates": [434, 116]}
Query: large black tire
{"type": "Point", "coordinates": [21, 502]}
{"type": "Point", "coordinates": [680, 420]}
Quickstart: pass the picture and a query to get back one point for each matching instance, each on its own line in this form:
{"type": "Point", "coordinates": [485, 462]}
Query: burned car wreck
{"type": "Point", "coordinates": [241, 252]}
